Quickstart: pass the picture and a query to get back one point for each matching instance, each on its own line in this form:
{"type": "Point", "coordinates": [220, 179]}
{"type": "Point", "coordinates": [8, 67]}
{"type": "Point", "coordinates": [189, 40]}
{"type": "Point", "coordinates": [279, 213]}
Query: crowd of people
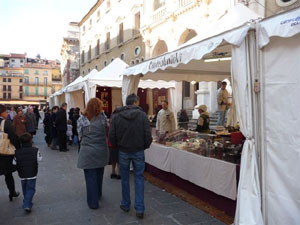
{"type": "Point", "coordinates": [120, 141]}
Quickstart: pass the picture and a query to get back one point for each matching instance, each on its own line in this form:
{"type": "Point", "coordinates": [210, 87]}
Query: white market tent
{"type": "Point", "coordinates": [279, 69]}
{"type": "Point", "coordinates": [269, 119]}
{"type": "Point", "coordinates": [77, 93]}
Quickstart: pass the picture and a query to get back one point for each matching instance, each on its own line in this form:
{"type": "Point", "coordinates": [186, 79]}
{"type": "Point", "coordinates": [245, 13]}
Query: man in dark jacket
{"type": "Point", "coordinates": [61, 126]}
{"type": "Point", "coordinates": [130, 133]}
{"type": "Point", "coordinates": [53, 127]}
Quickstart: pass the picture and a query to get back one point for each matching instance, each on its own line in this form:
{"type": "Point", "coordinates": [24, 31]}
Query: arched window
{"type": "Point", "coordinates": [160, 48]}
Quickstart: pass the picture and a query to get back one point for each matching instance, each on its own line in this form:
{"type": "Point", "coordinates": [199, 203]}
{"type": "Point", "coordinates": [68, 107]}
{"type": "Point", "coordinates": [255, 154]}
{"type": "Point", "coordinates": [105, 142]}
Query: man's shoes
{"type": "Point", "coordinates": [124, 209]}
{"type": "Point", "coordinates": [28, 210]}
{"type": "Point", "coordinates": [140, 215]}
{"type": "Point", "coordinates": [113, 175]}
{"type": "Point", "coordinates": [118, 177]}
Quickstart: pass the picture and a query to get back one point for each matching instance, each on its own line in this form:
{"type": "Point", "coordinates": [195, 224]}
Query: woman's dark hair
{"type": "Point", "coordinates": [55, 107]}
{"type": "Point", "coordinates": [2, 108]}
{"type": "Point", "coordinates": [132, 99]}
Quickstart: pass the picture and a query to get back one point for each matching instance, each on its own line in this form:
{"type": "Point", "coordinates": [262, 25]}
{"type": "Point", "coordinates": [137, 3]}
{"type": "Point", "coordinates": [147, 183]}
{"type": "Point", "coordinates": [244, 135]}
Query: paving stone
{"type": "Point", "coordinates": [60, 198]}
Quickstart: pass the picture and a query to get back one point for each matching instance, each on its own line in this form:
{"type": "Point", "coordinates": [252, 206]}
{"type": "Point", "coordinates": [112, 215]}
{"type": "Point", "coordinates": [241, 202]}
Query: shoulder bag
{"type": "Point", "coordinates": [6, 148]}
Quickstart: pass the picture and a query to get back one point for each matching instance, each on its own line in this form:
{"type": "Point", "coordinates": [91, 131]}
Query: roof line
{"type": "Point", "coordinates": [93, 9]}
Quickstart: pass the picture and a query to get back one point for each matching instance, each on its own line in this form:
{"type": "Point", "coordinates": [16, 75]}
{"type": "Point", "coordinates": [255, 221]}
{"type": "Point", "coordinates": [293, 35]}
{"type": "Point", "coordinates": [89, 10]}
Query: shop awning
{"type": "Point", "coordinates": [112, 76]}
{"type": "Point", "coordinates": [20, 103]}
{"type": "Point", "coordinates": [186, 63]}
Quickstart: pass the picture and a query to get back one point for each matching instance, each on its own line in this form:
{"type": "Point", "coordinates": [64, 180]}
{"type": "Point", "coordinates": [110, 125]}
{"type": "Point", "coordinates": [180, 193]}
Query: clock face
{"type": "Point", "coordinates": [283, 3]}
{"type": "Point", "coordinates": [137, 50]}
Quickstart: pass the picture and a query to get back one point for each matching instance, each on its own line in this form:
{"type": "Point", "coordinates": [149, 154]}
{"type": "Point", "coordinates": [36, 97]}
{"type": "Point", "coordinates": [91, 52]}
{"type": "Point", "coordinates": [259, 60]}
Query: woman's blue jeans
{"type": "Point", "coordinates": [138, 161]}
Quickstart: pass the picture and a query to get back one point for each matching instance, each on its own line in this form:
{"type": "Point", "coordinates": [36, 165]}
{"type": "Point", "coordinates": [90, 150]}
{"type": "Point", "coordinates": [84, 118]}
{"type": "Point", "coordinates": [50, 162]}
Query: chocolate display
{"type": "Point", "coordinates": [210, 145]}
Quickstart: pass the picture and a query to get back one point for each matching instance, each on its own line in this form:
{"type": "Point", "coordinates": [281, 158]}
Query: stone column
{"type": "Point", "coordinates": [206, 95]}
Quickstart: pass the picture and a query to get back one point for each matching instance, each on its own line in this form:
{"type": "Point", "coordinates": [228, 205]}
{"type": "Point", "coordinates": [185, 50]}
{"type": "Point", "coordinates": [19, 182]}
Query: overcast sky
{"type": "Point", "coordinates": [38, 26]}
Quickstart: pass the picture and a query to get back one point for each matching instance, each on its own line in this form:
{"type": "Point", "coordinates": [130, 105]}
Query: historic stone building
{"type": "Point", "coordinates": [109, 30]}
{"type": "Point", "coordinates": [70, 54]}
{"type": "Point", "coordinates": [41, 78]}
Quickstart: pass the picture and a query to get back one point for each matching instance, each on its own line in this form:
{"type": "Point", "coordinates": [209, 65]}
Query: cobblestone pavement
{"type": "Point", "coordinates": [61, 198]}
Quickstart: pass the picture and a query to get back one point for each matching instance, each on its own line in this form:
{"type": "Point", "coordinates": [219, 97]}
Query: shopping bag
{"type": "Point", "coordinates": [6, 148]}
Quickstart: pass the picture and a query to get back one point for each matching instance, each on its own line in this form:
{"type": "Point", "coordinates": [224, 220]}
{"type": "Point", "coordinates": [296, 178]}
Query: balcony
{"type": "Point", "coordinates": [184, 3]}
{"type": "Point", "coordinates": [169, 9]}
{"type": "Point", "coordinates": [159, 14]}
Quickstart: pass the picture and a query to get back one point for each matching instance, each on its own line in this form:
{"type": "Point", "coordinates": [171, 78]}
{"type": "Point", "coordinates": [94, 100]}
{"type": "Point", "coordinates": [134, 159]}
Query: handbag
{"type": "Point", "coordinates": [6, 148]}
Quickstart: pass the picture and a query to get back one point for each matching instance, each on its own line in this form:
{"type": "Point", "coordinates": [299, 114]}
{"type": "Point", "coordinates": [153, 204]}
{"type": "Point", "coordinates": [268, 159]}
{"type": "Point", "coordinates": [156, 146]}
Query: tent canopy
{"type": "Point", "coordinates": [186, 63]}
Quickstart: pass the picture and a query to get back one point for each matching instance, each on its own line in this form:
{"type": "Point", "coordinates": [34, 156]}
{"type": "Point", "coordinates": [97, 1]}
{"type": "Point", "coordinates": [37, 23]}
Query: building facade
{"type": "Point", "coordinates": [41, 78]}
{"type": "Point", "coordinates": [11, 84]}
{"type": "Point", "coordinates": [109, 30]}
{"type": "Point", "coordinates": [70, 52]}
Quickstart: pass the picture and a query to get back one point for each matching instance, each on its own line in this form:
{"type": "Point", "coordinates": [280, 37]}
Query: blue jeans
{"type": "Point", "coordinates": [93, 181]}
{"type": "Point", "coordinates": [221, 118]}
{"type": "Point", "coordinates": [28, 188]}
{"type": "Point", "coordinates": [138, 161]}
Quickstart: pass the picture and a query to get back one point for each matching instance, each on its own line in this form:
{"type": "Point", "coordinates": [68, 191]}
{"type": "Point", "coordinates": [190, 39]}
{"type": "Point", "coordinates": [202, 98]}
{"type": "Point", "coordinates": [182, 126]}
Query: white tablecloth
{"type": "Point", "coordinates": [212, 174]}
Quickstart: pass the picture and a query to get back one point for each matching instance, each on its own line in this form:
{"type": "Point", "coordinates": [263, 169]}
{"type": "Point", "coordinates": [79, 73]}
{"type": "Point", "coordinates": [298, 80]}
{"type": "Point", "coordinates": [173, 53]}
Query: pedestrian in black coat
{"type": "Point", "coordinates": [47, 127]}
{"type": "Point", "coordinates": [53, 127]}
{"type": "Point", "coordinates": [61, 126]}
{"type": "Point", "coordinates": [37, 116]}
{"type": "Point", "coordinates": [6, 165]}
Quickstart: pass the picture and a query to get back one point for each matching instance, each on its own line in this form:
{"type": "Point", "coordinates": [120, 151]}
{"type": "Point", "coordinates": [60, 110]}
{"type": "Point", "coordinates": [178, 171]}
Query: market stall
{"type": "Point", "coordinates": [106, 85]}
{"type": "Point", "coordinates": [198, 62]}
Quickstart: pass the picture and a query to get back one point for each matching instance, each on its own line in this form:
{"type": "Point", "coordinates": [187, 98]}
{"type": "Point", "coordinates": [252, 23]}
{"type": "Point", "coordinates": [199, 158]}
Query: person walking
{"type": "Point", "coordinates": [130, 133]}
{"type": "Point", "coordinates": [74, 119]}
{"type": "Point", "coordinates": [69, 132]}
{"type": "Point", "coordinates": [19, 123]}
{"type": "Point", "coordinates": [53, 127]}
{"type": "Point", "coordinates": [12, 113]}
{"type": "Point", "coordinates": [47, 127]}
{"type": "Point", "coordinates": [37, 116]}
{"type": "Point", "coordinates": [6, 161]}
{"type": "Point", "coordinates": [61, 127]}
{"type": "Point", "coordinates": [27, 158]}
{"type": "Point", "coordinates": [93, 154]}
{"type": "Point", "coordinates": [30, 121]}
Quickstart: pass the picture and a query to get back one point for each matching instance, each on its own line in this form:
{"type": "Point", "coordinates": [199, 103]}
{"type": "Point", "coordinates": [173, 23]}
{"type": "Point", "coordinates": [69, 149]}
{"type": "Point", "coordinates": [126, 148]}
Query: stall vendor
{"type": "Point", "coordinates": [165, 122]}
{"type": "Point", "coordinates": [203, 121]}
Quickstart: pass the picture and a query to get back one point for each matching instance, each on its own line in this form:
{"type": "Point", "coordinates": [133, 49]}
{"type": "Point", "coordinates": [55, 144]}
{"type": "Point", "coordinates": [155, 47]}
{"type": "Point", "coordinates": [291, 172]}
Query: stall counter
{"type": "Point", "coordinates": [212, 174]}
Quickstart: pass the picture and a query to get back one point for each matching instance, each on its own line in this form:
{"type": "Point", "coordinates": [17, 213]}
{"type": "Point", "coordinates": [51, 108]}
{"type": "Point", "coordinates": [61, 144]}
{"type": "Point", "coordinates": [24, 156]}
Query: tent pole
{"type": "Point", "coordinates": [260, 111]}
{"type": "Point", "coordinates": [256, 103]}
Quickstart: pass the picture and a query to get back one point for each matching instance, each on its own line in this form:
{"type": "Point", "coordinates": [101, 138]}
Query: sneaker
{"type": "Point", "coordinates": [28, 210]}
{"type": "Point", "coordinates": [124, 209]}
{"type": "Point", "coordinates": [140, 215]}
